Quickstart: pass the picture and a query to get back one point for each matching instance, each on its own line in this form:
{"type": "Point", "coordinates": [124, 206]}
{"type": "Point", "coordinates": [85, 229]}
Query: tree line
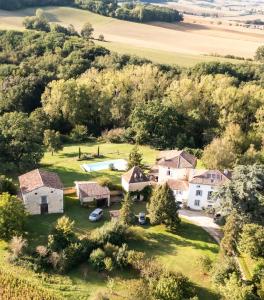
{"type": "Point", "coordinates": [65, 83]}
{"type": "Point", "coordinates": [136, 12]}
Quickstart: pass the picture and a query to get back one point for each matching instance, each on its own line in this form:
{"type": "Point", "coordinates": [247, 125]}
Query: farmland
{"type": "Point", "coordinates": [184, 44]}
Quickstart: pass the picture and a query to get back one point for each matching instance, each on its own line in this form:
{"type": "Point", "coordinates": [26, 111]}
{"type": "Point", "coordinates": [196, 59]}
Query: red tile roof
{"type": "Point", "coordinates": [176, 159]}
{"type": "Point", "coordinates": [92, 189]}
{"type": "Point", "coordinates": [135, 175]}
{"type": "Point", "coordinates": [209, 177]}
{"type": "Point", "coordinates": [180, 185]}
{"type": "Point", "coordinates": [39, 178]}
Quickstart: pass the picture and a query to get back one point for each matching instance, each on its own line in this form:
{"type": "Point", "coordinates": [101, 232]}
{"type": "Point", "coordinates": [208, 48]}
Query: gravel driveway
{"type": "Point", "coordinates": [203, 220]}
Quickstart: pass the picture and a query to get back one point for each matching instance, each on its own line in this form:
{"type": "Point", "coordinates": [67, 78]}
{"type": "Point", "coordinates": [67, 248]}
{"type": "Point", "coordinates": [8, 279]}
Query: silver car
{"type": "Point", "coordinates": [96, 215]}
{"type": "Point", "coordinates": [142, 218]}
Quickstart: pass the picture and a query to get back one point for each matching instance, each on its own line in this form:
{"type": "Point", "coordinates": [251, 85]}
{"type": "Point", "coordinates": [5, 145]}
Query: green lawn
{"type": "Point", "coordinates": [69, 169]}
{"type": "Point", "coordinates": [176, 251]}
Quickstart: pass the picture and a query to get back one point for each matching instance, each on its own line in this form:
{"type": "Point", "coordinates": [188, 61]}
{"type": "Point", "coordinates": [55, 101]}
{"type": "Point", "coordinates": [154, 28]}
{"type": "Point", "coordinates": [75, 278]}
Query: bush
{"type": "Point", "coordinates": [252, 240]}
{"type": "Point", "coordinates": [108, 264]}
{"type": "Point", "coordinates": [12, 216]}
{"type": "Point", "coordinates": [97, 258]}
{"type": "Point", "coordinates": [116, 135]}
{"type": "Point", "coordinates": [62, 234]}
{"type": "Point", "coordinates": [70, 257]}
{"type": "Point", "coordinates": [79, 133]}
{"type": "Point", "coordinates": [205, 263]}
{"type": "Point", "coordinates": [104, 181]}
{"type": "Point", "coordinates": [112, 232]}
{"type": "Point", "coordinates": [222, 270]}
{"type": "Point", "coordinates": [173, 286]}
{"type": "Point", "coordinates": [17, 246]}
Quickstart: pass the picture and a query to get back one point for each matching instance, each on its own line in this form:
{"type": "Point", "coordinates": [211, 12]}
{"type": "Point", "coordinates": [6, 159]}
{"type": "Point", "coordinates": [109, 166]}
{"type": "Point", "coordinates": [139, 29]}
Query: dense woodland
{"type": "Point", "coordinates": [64, 82]}
{"type": "Point", "coordinates": [128, 11]}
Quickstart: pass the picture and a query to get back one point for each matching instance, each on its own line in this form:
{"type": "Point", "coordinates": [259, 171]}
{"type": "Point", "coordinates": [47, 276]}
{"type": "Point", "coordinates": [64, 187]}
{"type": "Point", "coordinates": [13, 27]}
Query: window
{"type": "Point", "coordinates": [168, 172]}
{"type": "Point", "coordinates": [209, 195]}
{"type": "Point", "coordinates": [199, 192]}
{"type": "Point", "coordinates": [196, 202]}
{"type": "Point", "coordinates": [198, 186]}
{"type": "Point", "coordinates": [44, 200]}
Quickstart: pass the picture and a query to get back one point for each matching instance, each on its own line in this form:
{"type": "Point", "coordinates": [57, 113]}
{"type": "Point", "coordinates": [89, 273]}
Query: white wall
{"type": "Point", "coordinates": [179, 174]}
{"type": "Point", "coordinates": [32, 200]}
{"type": "Point", "coordinates": [181, 196]}
{"type": "Point", "coordinates": [134, 187]}
{"type": "Point", "coordinates": [204, 202]}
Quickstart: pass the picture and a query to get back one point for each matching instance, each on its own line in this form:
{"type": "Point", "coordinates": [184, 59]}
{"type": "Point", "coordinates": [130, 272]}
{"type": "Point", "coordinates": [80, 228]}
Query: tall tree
{"type": "Point", "coordinates": [244, 193]}
{"type": "Point", "coordinates": [21, 145]}
{"type": "Point", "coordinates": [163, 208]}
{"type": "Point", "coordinates": [87, 30]}
{"type": "Point", "coordinates": [127, 215]}
{"type": "Point", "coordinates": [52, 141]}
{"type": "Point", "coordinates": [135, 158]}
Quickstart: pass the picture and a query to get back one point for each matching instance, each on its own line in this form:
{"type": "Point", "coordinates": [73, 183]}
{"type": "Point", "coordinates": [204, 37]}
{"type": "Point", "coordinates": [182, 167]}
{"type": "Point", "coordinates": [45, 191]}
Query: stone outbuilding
{"type": "Point", "coordinates": [92, 192]}
{"type": "Point", "coordinates": [41, 192]}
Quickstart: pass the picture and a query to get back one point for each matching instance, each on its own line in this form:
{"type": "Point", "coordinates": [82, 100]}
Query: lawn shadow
{"type": "Point", "coordinates": [204, 293]}
{"type": "Point", "coordinates": [68, 176]}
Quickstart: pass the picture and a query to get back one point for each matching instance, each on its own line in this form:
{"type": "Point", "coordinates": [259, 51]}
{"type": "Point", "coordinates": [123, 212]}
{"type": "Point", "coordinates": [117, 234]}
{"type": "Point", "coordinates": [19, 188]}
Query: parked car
{"type": "Point", "coordinates": [142, 218]}
{"type": "Point", "coordinates": [96, 215]}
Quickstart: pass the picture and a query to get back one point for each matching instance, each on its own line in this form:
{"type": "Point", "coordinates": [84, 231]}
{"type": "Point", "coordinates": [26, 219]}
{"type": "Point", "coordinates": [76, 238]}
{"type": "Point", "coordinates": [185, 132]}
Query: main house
{"type": "Point", "coordinates": [41, 192]}
{"type": "Point", "coordinates": [191, 187]}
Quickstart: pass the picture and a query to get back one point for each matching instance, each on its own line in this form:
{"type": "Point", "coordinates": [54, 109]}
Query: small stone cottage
{"type": "Point", "coordinates": [42, 192]}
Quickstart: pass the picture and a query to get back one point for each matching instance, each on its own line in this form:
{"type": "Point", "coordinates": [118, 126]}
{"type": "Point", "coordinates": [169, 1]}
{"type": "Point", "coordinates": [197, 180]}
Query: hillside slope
{"type": "Point", "coordinates": [166, 43]}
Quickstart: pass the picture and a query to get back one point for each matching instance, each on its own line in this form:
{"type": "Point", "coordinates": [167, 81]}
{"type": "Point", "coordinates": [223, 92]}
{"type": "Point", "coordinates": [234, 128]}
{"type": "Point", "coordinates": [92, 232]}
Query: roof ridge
{"type": "Point", "coordinates": [41, 179]}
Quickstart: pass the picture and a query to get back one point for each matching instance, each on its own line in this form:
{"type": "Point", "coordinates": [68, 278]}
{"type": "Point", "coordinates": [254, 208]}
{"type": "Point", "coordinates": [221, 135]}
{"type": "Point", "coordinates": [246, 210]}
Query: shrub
{"type": "Point", "coordinates": [17, 245]}
{"type": "Point", "coordinates": [252, 240]}
{"type": "Point", "coordinates": [112, 232]}
{"type": "Point", "coordinates": [101, 38]}
{"type": "Point", "coordinates": [222, 270]}
{"type": "Point", "coordinates": [79, 133]}
{"type": "Point", "coordinates": [62, 234]}
{"type": "Point", "coordinates": [108, 264]}
{"type": "Point", "coordinates": [205, 263]}
{"type": "Point", "coordinates": [173, 286]}
{"type": "Point", "coordinates": [116, 135]}
{"type": "Point", "coordinates": [12, 216]}
{"type": "Point", "coordinates": [135, 259]}
{"type": "Point", "coordinates": [70, 257]}
{"type": "Point", "coordinates": [104, 181]}
{"type": "Point", "coordinates": [97, 259]}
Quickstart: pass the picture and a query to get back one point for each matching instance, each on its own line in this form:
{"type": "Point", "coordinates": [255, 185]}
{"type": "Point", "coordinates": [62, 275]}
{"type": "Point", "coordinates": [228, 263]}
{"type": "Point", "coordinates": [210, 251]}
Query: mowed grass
{"type": "Point", "coordinates": [69, 169]}
{"type": "Point", "coordinates": [178, 252]}
{"type": "Point", "coordinates": [184, 44]}
{"type": "Point", "coordinates": [66, 165]}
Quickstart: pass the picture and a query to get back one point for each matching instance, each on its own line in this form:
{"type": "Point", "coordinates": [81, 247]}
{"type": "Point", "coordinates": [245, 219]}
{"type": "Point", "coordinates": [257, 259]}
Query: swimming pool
{"type": "Point", "coordinates": [119, 164]}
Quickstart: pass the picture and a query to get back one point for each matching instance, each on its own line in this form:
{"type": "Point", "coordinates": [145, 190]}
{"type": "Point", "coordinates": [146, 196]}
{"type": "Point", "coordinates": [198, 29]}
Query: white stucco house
{"type": "Point", "coordinates": [190, 186]}
{"type": "Point", "coordinates": [135, 181]}
{"type": "Point", "coordinates": [92, 192]}
{"type": "Point", "coordinates": [41, 192]}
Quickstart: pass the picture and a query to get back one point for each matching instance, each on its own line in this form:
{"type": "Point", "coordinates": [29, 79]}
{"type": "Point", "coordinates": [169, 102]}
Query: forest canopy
{"type": "Point", "coordinates": [63, 82]}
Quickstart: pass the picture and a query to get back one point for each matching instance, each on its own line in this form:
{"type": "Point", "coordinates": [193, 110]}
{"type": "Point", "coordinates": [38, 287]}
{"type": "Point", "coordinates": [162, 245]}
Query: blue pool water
{"type": "Point", "coordinates": [119, 164]}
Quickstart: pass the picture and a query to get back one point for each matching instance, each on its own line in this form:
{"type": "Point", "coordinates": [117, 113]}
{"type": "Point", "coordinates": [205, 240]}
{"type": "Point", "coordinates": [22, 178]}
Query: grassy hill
{"type": "Point", "coordinates": [185, 44]}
